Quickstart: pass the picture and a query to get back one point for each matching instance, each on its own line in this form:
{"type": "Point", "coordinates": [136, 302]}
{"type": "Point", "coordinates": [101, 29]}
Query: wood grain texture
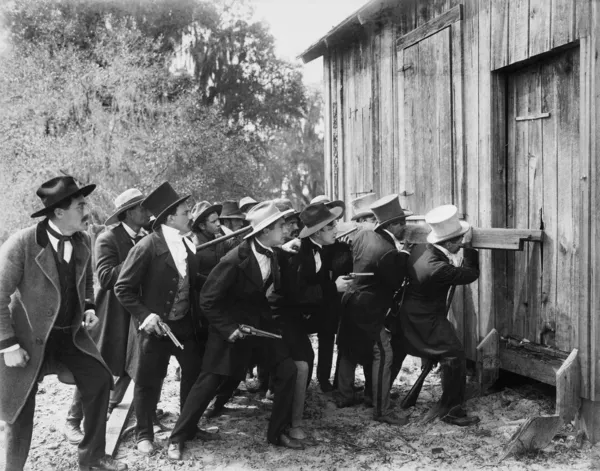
{"type": "Point", "coordinates": [430, 28]}
{"type": "Point", "coordinates": [540, 13]}
{"type": "Point", "coordinates": [568, 388]}
{"type": "Point", "coordinates": [518, 30]}
{"type": "Point", "coordinates": [563, 22]}
{"type": "Point", "coordinates": [499, 34]}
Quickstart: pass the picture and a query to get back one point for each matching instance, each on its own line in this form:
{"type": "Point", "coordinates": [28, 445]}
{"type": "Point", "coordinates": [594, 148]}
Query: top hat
{"type": "Point", "coordinates": [202, 210]}
{"type": "Point", "coordinates": [316, 216]}
{"type": "Point", "coordinates": [231, 210]}
{"type": "Point", "coordinates": [126, 200]}
{"type": "Point", "coordinates": [360, 206]}
{"type": "Point", "coordinates": [263, 215]}
{"type": "Point", "coordinates": [330, 204]}
{"type": "Point", "coordinates": [58, 189]}
{"type": "Point", "coordinates": [445, 224]}
{"type": "Point", "coordinates": [388, 209]}
{"type": "Point", "coordinates": [161, 201]}
{"type": "Point", "coordinates": [284, 204]}
{"type": "Point", "coordinates": [246, 203]}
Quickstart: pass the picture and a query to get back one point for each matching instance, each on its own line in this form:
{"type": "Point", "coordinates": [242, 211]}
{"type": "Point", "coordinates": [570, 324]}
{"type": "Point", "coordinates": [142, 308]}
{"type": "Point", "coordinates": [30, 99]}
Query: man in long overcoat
{"type": "Point", "coordinates": [46, 306]}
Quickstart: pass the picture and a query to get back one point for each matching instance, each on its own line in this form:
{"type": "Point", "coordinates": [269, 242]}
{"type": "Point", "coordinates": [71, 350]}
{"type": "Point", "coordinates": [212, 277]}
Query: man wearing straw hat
{"type": "Point", "coordinates": [424, 327]}
{"type": "Point", "coordinates": [362, 214]}
{"type": "Point", "coordinates": [235, 293]}
{"type": "Point", "coordinates": [43, 328]}
{"type": "Point", "coordinates": [380, 256]}
{"type": "Point", "coordinates": [158, 283]}
{"type": "Point", "coordinates": [113, 336]}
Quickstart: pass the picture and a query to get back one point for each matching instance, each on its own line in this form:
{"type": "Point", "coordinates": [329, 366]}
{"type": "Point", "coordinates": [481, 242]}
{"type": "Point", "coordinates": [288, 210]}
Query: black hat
{"type": "Point", "coordinates": [55, 191]}
{"type": "Point", "coordinates": [388, 209]}
{"type": "Point", "coordinates": [231, 210]}
{"type": "Point", "coordinates": [161, 201]}
{"type": "Point", "coordinates": [316, 216]}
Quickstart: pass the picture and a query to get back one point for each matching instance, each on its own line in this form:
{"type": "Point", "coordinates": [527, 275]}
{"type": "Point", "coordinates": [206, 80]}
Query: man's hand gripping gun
{"type": "Point", "coordinates": [249, 330]}
{"type": "Point", "coordinates": [169, 333]}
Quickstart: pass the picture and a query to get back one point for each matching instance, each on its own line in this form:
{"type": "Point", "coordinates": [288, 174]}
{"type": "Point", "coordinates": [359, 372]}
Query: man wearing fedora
{"type": "Point", "coordinates": [44, 327]}
{"type": "Point", "coordinates": [424, 327]}
{"type": "Point", "coordinates": [158, 282]}
{"type": "Point", "coordinates": [236, 293]}
{"type": "Point", "coordinates": [382, 257]}
{"type": "Point", "coordinates": [362, 214]}
{"type": "Point", "coordinates": [247, 203]}
{"type": "Point", "coordinates": [232, 218]}
{"type": "Point", "coordinates": [113, 335]}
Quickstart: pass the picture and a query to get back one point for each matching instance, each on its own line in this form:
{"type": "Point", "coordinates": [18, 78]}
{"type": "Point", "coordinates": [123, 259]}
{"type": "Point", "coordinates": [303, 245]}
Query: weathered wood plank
{"type": "Point", "coordinates": [117, 421]}
{"type": "Point", "coordinates": [339, 123]}
{"type": "Point", "coordinates": [582, 18]}
{"type": "Point", "coordinates": [430, 28]}
{"type": "Point", "coordinates": [499, 43]}
{"type": "Point", "coordinates": [539, 26]}
{"type": "Point", "coordinates": [511, 175]}
{"type": "Point", "coordinates": [563, 22]}
{"type": "Point", "coordinates": [458, 143]}
{"type": "Point", "coordinates": [386, 130]}
{"type": "Point", "coordinates": [488, 360]}
{"type": "Point", "coordinates": [327, 82]}
{"type": "Point", "coordinates": [518, 30]}
{"type": "Point", "coordinates": [410, 116]}
{"type": "Point", "coordinates": [530, 365]}
{"type": "Point", "coordinates": [568, 388]}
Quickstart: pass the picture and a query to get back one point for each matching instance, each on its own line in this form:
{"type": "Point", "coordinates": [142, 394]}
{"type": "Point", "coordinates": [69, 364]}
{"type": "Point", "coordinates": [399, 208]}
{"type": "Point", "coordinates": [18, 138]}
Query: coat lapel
{"type": "Point", "coordinates": [162, 247]}
{"type": "Point", "coordinates": [249, 264]}
{"type": "Point", "coordinates": [82, 254]}
{"type": "Point", "coordinates": [45, 259]}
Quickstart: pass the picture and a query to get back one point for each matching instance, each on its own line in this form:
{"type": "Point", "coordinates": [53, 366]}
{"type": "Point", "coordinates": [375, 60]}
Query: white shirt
{"type": "Point", "coordinates": [54, 242]}
{"type": "Point", "coordinates": [264, 262]}
{"type": "Point", "coordinates": [176, 243]}
{"type": "Point", "coordinates": [317, 255]}
{"type": "Point", "coordinates": [454, 258]}
{"type": "Point", "coordinates": [399, 245]}
{"type": "Point", "coordinates": [129, 231]}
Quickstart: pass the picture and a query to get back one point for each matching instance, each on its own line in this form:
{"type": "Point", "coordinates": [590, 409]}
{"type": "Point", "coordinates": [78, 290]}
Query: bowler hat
{"type": "Point", "coordinates": [316, 216]}
{"type": "Point", "coordinates": [161, 201]}
{"type": "Point", "coordinates": [360, 206]}
{"type": "Point", "coordinates": [231, 210]}
{"type": "Point", "coordinates": [126, 200]}
{"type": "Point", "coordinates": [246, 203]}
{"type": "Point", "coordinates": [445, 224]}
{"type": "Point", "coordinates": [202, 210]}
{"type": "Point", "coordinates": [330, 204]}
{"type": "Point", "coordinates": [263, 215]}
{"type": "Point", "coordinates": [388, 209]}
{"type": "Point", "coordinates": [56, 190]}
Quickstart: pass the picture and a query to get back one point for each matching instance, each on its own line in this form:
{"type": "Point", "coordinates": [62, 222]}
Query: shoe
{"type": "Point", "coordinates": [296, 433]}
{"type": "Point", "coordinates": [175, 451]}
{"type": "Point", "coordinates": [287, 442]}
{"type": "Point", "coordinates": [394, 395]}
{"type": "Point", "coordinates": [106, 463]}
{"type": "Point", "coordinates": [73, 432]}
{"type": "Point", "coordinates": [458, 416]}
{"type": "Point", "coordinates": [217, 410]}
{"type": "Point", "coordinates": [205, 436]}
{"type": "Point", "coordinates": [146, 447]}
{"type": "Point", "coordinates": [392, 419]}
{"type": "Point", "coordinates": [325, 386]}
{"type": "Point", "coordinates": [357, 388]}
{"type": "Point", "coordinates": [436, 411]}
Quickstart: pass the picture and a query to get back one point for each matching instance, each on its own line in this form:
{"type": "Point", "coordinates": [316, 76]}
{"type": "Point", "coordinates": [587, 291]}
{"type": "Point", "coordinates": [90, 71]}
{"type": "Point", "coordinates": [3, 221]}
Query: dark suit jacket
{"type": "Point", "coordinates": [209, 257]}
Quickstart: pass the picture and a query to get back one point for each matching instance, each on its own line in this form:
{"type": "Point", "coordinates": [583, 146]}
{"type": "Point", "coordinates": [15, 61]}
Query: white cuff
{"type": "Point", "coordinates": [146, 320]}
{"type": "Point", "coordinates": [12, 348]}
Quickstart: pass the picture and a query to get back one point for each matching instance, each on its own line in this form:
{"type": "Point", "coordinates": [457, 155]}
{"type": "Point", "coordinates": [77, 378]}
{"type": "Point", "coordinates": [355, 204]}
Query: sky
{"type": "Point", "coordinates": [296, 24]}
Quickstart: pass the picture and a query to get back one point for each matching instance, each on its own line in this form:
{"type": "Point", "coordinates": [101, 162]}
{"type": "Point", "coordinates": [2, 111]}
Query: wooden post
{"type": "Point", "coordinates": [488, 360]}
{"type": "Point", "coordinates": [568, 389]}
{"type": "Point", "coordinates": [117, 421]}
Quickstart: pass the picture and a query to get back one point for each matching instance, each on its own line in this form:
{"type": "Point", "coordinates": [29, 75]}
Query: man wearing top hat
{"type": "Point", "coordinates": [113, 335]}
{"type": "Point", "coordinates": [425, 330]}
{"type": "Point", "coordinates": [236, 293]}
{"type": "Point", "coordinates": [158, 282]}
{"type": "Point", "coordinates": [380, 255]}
{"type": "Point", "coordinates": [46, 269]}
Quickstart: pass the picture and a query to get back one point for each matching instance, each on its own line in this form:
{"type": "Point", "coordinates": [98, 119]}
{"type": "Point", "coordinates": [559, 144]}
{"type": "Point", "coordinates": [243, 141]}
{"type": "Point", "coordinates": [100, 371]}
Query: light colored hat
{"type": "Point", "coordinates": [388, 209]}
{"type": "Point", "coordinates": [263, 215]}
{"type": "Point", "coordinates": [283, 204]}
{"type": "Point", "coordinates": [330, 204]}
{"type": "Point", "coordinates": [246, 203]}
{"type": "Point", "coordinates": [126, 200]}
{"type": "Point", "coordinates": [445, 224]}
{"type": "Point", "coordinates": [316, 216]}
{"type": "Point", "coordinates": [360, 206]}
{"type": "Point", "coordinates": [202, 210]}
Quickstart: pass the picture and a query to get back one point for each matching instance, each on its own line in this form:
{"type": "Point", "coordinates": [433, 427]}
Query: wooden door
{"type": "Point", "coordinates": [543, 193]}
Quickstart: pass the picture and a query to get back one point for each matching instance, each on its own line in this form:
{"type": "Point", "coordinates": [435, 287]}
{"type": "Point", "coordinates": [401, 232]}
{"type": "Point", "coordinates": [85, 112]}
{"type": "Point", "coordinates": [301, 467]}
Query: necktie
{"type": "Point", "coordinates": [60, 252]}
{"type": "Point", "coordinates": [136, 239]}
{"type": "Point", "coordinates": [274, 277]}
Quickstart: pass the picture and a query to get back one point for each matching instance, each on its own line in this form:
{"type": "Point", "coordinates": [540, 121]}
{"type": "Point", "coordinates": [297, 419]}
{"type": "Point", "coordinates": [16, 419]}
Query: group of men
{"type": "Point", "coordinates": [166, 287]}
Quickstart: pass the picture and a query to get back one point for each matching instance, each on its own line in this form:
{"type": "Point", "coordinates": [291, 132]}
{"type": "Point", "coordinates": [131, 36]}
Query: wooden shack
{"type": "Point", "coordinates": [490, 105]}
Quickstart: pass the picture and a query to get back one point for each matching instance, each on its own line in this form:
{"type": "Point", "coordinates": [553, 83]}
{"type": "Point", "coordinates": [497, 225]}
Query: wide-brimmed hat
{"type": "Point", "coordinates": [58, 189]}
{"type": "Point", "coordinates": [445, 224]}
{"type": "Point", "coordinates": [388, 209]}
{"type": "Point", "coordinates": [330, 204]}
{"type": "Point", "coordinates": [263, 215]}
{"type": "Point", "coordinates": [246, 203]}
{"type": "Point", "coordinates": [161, 201]}
{"type": "Point", "coordinates": [202, 210]}
{"type": "Point", "coordinates": [360, 206]}
{"type": "Point", "coordinates": [231, 210]}
{"type": "Point", "coordinates": [126, 200]}
{"type": "Point", "coordinates": [284, 204]}
{"type": "Point", "coordinates": [316, 216]}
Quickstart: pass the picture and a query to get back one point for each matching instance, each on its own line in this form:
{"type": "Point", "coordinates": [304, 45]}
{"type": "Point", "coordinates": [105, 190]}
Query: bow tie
{"type": "Point", "coordinates": [263, 251]}
{"type": "Point", "coordinates": [60, 251]}
{"type": "Point", "coordinates": [136, 239]}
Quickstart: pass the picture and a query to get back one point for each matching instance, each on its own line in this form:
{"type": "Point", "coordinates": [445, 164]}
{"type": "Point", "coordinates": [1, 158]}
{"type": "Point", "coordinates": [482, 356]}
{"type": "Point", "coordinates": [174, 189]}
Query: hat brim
{"type": "Point", "coordinates": [267, 222]}
{"type": "Point", "coordinates": [215, 208]}
{"type": "Point", "coordinates": [114, 218]}
{"type": "Point", "coordinates": [247, 207]}
{"type": "Point", "coordinates": [336, 212]}
{"type": "Point", "coordinates": [83, 191]}
{"type": "Point", "coordinates": [464, 227]}
{"type": "Point", "coordinates": [396, 218]}
{"type": "Point", "coordinates": [235, 216]}
{"type": "Point", "coordinates": [362, 214]}
{"type": "Point", "coordinates": [162, 216]}
{"type": "Point", "coordinates": [336, 204]}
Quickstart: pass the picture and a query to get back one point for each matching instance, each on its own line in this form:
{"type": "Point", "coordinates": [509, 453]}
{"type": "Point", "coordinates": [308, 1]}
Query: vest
{"type": "Point", "coordinates": [69, 298]}
{"type": "Point", "coordinates": [181, 303]}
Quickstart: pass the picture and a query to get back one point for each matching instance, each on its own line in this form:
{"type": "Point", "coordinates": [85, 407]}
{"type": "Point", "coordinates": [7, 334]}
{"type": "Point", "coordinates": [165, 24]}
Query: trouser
{"type": "Point", "coordinates": [382, 363]}
{"type": "Point", "coordinates": [325, 355]}
{"type": "Point", "coordinates": [346, 373]}
{"type": "Point", "coordinates": [155, 353]}
{"type": "Point", "coordinates": [454, 380]}
{"type": "Point", "coordinates": [75, 414]}
{"type": "Point", "coordinates": [94, 382]}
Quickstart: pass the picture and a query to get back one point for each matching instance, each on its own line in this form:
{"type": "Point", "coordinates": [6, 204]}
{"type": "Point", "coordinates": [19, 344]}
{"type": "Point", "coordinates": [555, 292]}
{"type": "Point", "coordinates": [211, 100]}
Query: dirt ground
{"type": "Point", "coordinates": [348, 438]}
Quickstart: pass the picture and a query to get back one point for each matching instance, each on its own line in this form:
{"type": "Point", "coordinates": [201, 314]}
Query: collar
{"type": "Point", "coordinates": [316, 243]}
{"type": "Point", "coordinates": [396, 241]}
{"type": "Point", "coordinates": [54, 226]}
{"type": "Point", "coordinates": [129, 231]}
{"type": "Point", "coordinates": [263, 246]}
{"type": "Point", "coordinates": [454, 258]}
{"type": "Point", "coordinates": [172, 235]}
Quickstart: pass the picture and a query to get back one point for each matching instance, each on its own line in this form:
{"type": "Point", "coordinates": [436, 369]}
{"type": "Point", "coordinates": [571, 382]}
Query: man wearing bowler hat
{"type": "Point", "coordinates": [425, 330]}
{"type": "Point", "coordinates": [236, 293]}
{"type": "Point", "coordinates": [113, 335]}
{"type": "Point", "coordinates": [158, 282]}
{"type": "Point", "coordinates": [380, 262]}
{"type": "Point", "coordinates": [43, 329]}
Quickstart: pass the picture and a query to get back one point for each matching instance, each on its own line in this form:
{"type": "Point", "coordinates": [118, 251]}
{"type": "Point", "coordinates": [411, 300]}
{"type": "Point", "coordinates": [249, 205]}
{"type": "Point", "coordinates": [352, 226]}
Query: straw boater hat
{"type": "Point", "coordinates": [330, 204]}
{"type": "Point", "coordinates": [126, 200]}
{"type": "Point", "coordinates": [263, 215]}
{"type": "Point", "coordinates": [316, 216]}
{"type": "Point", "coordinates": [360, 206]}
{"type": "Point", "coordinates": [231, 210]}
{"type": "Point", "coordinates": [388, 209]}
{"type": "Point", "coordinates": [445, 224]}
{"type": "Point", "coordinates": [55, 191]}
{"type": "Point", "coordinates": [202, 210]}
{"type": "Point", "coordinates": [246, 203]}
{"type": "Point", "coordinates": [161, 201]}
